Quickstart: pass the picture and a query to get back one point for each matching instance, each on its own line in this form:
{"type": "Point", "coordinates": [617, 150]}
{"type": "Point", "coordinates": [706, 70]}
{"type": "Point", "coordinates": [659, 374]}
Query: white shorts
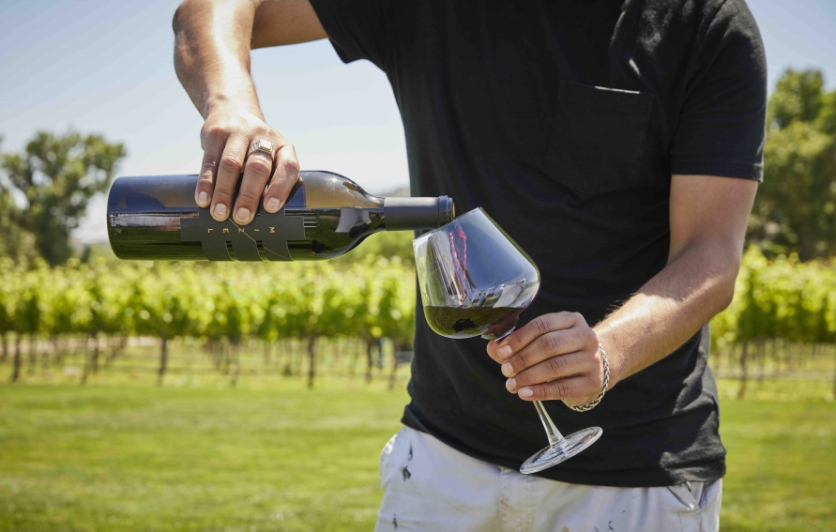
{"type": "Point", "coordinates": [430, 486]}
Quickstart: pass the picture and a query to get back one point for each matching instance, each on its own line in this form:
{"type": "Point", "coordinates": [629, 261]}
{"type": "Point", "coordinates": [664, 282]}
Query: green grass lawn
{"type": "Point", "coordinates": [132, 457]}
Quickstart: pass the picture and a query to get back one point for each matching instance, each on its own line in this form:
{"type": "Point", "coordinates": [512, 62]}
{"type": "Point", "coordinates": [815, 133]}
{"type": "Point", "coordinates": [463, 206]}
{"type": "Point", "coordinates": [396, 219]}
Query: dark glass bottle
{"type": "Point", "coordinates": [326, 215]}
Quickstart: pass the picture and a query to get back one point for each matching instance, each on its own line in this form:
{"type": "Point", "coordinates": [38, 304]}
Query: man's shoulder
{"type": "Point", "coordinates": [699, 21]}
{"type": "Point", "coordinates": [697, 10]}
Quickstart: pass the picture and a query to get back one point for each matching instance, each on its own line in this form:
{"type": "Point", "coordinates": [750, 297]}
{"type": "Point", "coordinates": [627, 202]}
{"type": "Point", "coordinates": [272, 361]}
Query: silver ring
{"type": "Point", "coordinates": [263, 146]}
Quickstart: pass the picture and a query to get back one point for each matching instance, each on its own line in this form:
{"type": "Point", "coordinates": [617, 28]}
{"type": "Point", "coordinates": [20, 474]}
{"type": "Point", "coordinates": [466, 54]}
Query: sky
{"type": "Point", "coordinates": [106, 67]}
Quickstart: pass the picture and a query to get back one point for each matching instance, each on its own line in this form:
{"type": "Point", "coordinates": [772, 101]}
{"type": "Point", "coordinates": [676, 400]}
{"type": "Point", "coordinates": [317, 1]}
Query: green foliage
{"type": "Point", "coordinates": [798, 97]}
{"type": "Point", "coordinates": [15, 242]}
{"type": "Point", "coordinates": [8, 297]}
{"type": "Point", "coordinates": [385, 244]}
{"type": "Point", "coordinates": [58, 175]}
{"type": "Point", "coordinates": [369, 299]}
{"type": "Point", "coordinates": [795, 211]}
{"type": "Point", "coordinates": [782, 298]}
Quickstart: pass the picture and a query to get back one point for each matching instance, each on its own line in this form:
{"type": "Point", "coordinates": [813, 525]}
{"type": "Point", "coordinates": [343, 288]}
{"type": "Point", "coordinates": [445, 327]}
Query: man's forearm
{"type": "Point", "coordinates": [556, 356]}
{"type": "Point", "coordinates": [670, 308]}
{"type": "Point", "coordinates": [212, 53]}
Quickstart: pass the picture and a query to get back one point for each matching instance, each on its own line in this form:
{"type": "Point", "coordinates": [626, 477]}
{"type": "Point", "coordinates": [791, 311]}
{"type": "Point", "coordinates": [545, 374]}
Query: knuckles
{"type": "Point", "coordinates": [247, 197]}
{"type": "Point", "coordinates": [556, 365]}
{"type": "Point", "coordinates": [561, 389]}
{"type": "Point", "coordinates": [216, 132]}
{"type": "Point", "coordinates": [208, 166]}
{"type": "Point", "coordinates": [224, 155]}
{"type": "Point", "coordinates": [259, 167]}
{"type": "Point", "coordinates": [220, 128]}
{"type": "Point", "coordinates": [231, 164]}
{"type": "Point", "coordinates": [541, 325]}
{"type": "Point", "coordinates": [520, 362]}
{"type": "Point", "coordinates": [551, 342]}
{"type": "Point", "coordinates": [290, 166]}
{"type": "Point", "coordinates": [222, 196]}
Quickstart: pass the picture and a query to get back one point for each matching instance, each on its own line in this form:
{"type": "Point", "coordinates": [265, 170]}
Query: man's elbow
{"type": "Point", "coordinates": [186, 11]}
{"type": "Point", "coordinates": [726, 295]}
{"type": "Point", "coordinates": [728, 279]}
{"type": "Point", "coordinates": [180, 15]}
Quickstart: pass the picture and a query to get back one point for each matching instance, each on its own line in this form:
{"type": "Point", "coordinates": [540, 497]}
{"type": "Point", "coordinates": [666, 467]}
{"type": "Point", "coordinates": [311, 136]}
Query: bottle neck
{"type": "Point", "coordinates": [405, 214]}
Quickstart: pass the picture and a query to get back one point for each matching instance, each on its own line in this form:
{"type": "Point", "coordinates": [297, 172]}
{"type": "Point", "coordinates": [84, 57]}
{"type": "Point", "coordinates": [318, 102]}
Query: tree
{"type": "Point", "coordinates": [27, 312]}
{"type": "Point", "coordinates": [15, 242]}
{"type": "Point", "coordinates": [58, 175]}
{"type": "Point", "coordinates": [795, 210]}
{"type": "Point", "coordinates": [7, 305]}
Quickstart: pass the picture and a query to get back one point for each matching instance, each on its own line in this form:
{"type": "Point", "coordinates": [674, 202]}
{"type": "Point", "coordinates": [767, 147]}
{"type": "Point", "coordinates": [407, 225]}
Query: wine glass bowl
{"type": "Point", "coordinates": [474, 280]}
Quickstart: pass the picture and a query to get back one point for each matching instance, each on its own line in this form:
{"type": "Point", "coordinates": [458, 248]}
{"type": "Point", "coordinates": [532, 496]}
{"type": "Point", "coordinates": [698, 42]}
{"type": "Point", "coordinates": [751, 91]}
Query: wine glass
{"type": "Point", "coordinates": [476, 281]}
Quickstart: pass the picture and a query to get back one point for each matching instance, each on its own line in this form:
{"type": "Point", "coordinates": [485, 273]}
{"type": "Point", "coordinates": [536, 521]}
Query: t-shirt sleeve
{"type": "Point", "coordinates": [721, 128]}
{"type": "Point", "coordinates": [358, 29]}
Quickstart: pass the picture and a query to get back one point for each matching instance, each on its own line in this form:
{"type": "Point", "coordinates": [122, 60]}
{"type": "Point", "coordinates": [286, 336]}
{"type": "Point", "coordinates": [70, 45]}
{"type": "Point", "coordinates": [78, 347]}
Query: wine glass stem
{"type": "Point", "coordinates": [555, 438]}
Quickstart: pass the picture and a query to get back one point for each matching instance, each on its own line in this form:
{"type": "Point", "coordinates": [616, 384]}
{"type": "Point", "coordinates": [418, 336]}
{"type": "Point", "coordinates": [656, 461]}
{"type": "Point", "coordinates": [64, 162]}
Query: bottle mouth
{"type": "Point", "coordinates": [444, 227]}
{"type": "Point", "coordinates": [446, 209]}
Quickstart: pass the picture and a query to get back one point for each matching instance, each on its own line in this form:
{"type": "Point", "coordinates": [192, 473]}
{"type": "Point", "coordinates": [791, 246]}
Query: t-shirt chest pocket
{"type": "Point", "coordinates": [598, 138]}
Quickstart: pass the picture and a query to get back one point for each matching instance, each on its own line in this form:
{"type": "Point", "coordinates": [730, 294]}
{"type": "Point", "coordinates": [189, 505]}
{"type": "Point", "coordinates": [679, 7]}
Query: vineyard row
{"type": "Point", "coordinates": [227, 304]}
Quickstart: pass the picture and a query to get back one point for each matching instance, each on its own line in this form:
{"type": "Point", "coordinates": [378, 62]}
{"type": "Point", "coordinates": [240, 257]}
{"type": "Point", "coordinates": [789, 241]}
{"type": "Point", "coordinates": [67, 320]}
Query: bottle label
{"type": "Point", "coordinates": [265, 238]}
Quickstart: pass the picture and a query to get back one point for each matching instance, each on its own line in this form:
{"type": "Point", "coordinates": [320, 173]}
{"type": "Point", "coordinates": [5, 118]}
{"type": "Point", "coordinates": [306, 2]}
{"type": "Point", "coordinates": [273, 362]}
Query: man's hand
{"type": "Point", "coordinates": [226, 138]}
{"type": "Point", "coordinates": [554, 356]}
{"type": "Point", "coordinates": [212, 60]}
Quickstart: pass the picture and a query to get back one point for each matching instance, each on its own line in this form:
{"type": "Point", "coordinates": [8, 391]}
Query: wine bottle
{"type": "Point", "coordinates": [326, 215]}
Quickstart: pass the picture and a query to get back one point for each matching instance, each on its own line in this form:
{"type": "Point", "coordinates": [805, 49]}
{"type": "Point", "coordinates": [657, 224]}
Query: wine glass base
{"type": "Point", "coordinates": [555, 454]}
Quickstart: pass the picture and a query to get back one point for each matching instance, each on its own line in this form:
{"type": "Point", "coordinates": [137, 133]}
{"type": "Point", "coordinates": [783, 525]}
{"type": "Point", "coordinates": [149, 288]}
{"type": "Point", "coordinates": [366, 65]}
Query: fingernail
{"type": "Point", "coordinates": [505, 351]}
{"type": "Point", "coordinates": [273, 205]}
{"type": "Point", "coordinates": [203, 199]}
{"type": "Point", "coordinates": [507, 369]}
{"type": "Point", "coordinates": [511, 384]}
{"type": "Point", "coordinates": [220, 210]}
{"type": "Point", "coordinates": [242, 215]}
{"type": "Point", "coordinates": [525, 392]}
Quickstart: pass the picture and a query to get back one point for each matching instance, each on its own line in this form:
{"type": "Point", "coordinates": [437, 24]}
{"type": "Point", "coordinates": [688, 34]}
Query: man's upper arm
{"type": "Point", "coordinates": [710, 208]}
{"type": "Point", "coordinates": [279, 22]}
{"type": "Point", "coordinates": [358, 29]}
{"type": "Point", "coordinates": [720, 128]}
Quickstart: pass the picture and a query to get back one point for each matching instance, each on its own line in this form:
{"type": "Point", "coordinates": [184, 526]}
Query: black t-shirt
{"type": "Point", "coordinates": [565, 120]}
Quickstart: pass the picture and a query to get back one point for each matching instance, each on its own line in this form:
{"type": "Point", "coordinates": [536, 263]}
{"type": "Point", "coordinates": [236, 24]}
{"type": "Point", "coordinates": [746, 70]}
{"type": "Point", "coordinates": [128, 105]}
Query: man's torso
{"type": "Point", "coordinates": [560, 119]}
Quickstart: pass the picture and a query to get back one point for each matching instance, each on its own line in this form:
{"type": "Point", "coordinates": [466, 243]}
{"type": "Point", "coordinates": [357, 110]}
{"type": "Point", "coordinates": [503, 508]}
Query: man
{"type": "Point", "coordinates": [619, 142]}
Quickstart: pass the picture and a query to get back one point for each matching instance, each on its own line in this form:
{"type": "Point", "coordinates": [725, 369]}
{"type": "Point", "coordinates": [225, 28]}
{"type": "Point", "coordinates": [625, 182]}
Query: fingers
{"type": "Point", "coordinates": [285, 175]}
{"type": "Point", "coordinates": [226, 138]}
{"type": "Point", "coordinates": [212, 140]}
{"type": "Point", "coordinates": [548, 346]}
{"type": "Point", "coordinates": [206, 179]}
{"type": "Point", "coordinates": [569, 389]}
{"type": "Point", "coordinates": [555, 356]}
{"type": "Point", "coordinates": [581, 363]}
{"type": "Point", "coordinates": [229, 170]}
{"type": "Point", "coordinates": [257, 170]}
{"type": "Point", "coordinates": [537, 327]}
